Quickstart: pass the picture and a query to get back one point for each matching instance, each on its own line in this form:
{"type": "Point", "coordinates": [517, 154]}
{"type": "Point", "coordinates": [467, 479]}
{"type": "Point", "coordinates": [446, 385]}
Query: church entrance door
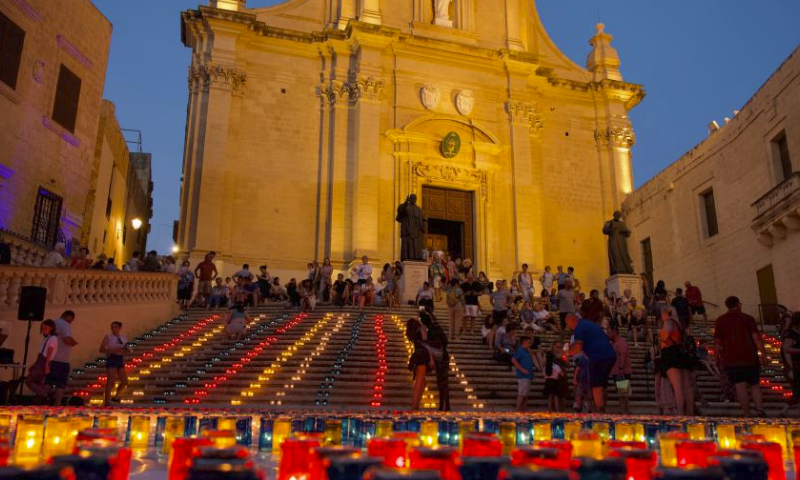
{"type": "Point", "coordinates": [451, 221]}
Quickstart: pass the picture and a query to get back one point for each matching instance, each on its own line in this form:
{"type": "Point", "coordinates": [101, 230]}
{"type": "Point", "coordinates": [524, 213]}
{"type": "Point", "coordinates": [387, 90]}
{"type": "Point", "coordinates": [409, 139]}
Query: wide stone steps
{"type": "Point", "coordinates": [328, 359]}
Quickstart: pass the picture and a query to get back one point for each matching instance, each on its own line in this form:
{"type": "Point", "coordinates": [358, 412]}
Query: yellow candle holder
{"type": "Point", "coordinates": [571, 429]}
{"type": "Point", "coordinates": [77, 424]}
{"type": "Point", "coordinates": [666, 441]}
{"type": "Point", "coordinates": [281, 430]}
{"type": "Point", "coordinates": [623, 432]}
{"type": "Point", "coordinates": [221, 438]}
{"type": "Point", "coordinates": [107, 421]}
{"type": "Point", "coordinates": [508, 436]}
{"type": "Point", "coordinates": [638, 433]}
{"type": "Point", "coordinates": [542, 431]}
{"type": "Point", "coordinates": [464, 427]}
{"type": "Point", "coordinates": [726, 437]}
{"type": "Point", "coordinates": [696, 431]}
{"type": "Point", "coordinates": [429, 433]}
{"type": "Point", "coordinates": [5, 420]}
{"type": "Point", "coordinates": [587, 443]}
{"type": "Point", "coordinates": [28, 440]}
{"type": "Point", "coordinates": [139, 432]}
{"type": "Point", "coordinates": [173, 429]}
{"type": "Point", "coordinates": [57, 437]}
{"type": "Point", "coordinates": [333, 432]}
{"type": "Point", "coordinates": [773, 433]}
{"type": "Point", "coordinates": [227, 424]}
{"type": "Point", "coordinates": [603, 429]}
{"type": "Point", "coordinates": [383, 429]}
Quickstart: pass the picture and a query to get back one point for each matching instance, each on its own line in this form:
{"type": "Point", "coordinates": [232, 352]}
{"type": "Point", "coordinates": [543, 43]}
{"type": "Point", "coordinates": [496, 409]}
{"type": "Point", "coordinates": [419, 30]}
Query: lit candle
{"type": "Point", "coordinates": [391, 450]}
{"type": "Point", "coordinates": [173, 429]}
{"type": "Point", "coordinates": [571, 428]}
{"type": "Point", "coordinates": [623, 431]}
{"type": "Point", "coordinates": [738, 467]}
{"type": "Point", "coordinates": [441, 459]}
{"type": "Point", "coordinates": [773, 455]}
{"type": "Point", "coordinates": [429, 433]}
{"type": "Point", "coordinates": [221, 438]}
{"type": "Point", "coordinates": [508, 436]}
{"type": "Point", "coordinates": [320, 455]}
{"type": "Point", "coordinates": [694, 453]}
{"type": "Point", "coordinates": [411, 438]}
{"type": "Point", "coordinates": [181, 454]}
{"type": "Point", "coordinates": [296, 458]}
{"type": "Point", "coordinates": [226, 424]}
{"type": "Point", "coordinates": [540, 457]}
{"type": "Point", "coordinates": [587, 444]}
{"type": "Point", "coordinates": [638, 462]}
{"type": "Point", "coordinates": [56, 437]}
{"type": "Point", "coordinates": [28, 440]}
{"type": "Point", "coordinates": [281, 430]}
{"type": "Point", "coordinates": [773, 433]}
{"type": "Point", "coordinates": [106, 421]}
{"type": "Point", "coordinates": [666, 443]}
{"type": "Point", "coordinates": [464, 427]}
{"type": "Point", "coordinates": [482, 445]}
{"type": "Point", "coordinates": [564, 448]}
{"type": "Point", "coordinates": [383, 429]}
{"type": "Point", "coordinates": [333, 432]}
{"type": "Point", "coordinates": [603, 429]}
{"type": "Point", "coordinates": [265, 435]}
{"type": "Point", "coordinates": [542, 431]}
{"type": "Point", "coordinates": [5, 453]}
{"type": "Point", "coordinates": [138, 432]}
{"type": "Point", "coordinates": [726, 436]}
{"type": "Point", "coordinates": [696, 431]}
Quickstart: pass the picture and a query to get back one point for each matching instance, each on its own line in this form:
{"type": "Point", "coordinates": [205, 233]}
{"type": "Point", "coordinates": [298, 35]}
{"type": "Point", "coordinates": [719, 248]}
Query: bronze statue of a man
{"type": "Point", "coordinates": [619, 260]}
{"type": "Point", "coordinates": [412, 228]}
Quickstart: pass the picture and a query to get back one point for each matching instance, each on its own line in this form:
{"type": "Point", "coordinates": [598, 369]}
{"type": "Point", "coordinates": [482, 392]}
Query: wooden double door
{"type": "Point", "coordinates": [451, 221]}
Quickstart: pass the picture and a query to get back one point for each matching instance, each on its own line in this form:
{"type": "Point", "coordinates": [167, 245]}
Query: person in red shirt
{"type": "Point", "coordinates": [738, 343]}
{"type": "Point", "coordinates": [695, 298]}
{"type": "Point", "coordinates": [81, 261]}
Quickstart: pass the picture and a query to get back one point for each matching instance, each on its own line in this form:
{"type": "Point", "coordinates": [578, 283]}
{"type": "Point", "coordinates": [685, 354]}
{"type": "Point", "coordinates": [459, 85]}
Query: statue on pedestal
{"type": "Point", "coordinates": [619, 260]}
{"type": "Point", "coordinates": [412, 228]}
{"type": "Point", "coordinates": [441, 10]}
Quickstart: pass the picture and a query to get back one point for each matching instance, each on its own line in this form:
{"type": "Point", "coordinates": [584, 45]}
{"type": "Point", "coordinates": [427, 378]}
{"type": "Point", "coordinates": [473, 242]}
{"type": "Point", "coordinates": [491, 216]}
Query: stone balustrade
{"type": "Point", "coordinates": [23, 251]}
{"type": "Point", "coordinates": [72, 288]}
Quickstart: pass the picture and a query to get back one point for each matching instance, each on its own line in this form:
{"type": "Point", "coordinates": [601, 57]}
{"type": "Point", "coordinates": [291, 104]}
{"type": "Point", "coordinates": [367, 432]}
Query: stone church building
{"type": "Point", "coordinates": [309, 122]}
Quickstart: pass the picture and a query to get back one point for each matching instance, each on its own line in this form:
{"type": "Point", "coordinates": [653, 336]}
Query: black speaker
{"type": "Point", "coordinates": [31, 303]}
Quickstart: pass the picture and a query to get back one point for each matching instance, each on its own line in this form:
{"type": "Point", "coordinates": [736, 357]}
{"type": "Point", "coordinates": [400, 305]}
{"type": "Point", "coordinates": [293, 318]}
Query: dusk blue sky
{"type": "Point", "coordinates": [698, 61]}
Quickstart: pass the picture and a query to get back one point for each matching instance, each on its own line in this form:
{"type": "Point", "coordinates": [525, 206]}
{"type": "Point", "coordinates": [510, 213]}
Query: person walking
{"type": "Point", "coordinates": [436, 343]}
{"type": "Point", "coordinates": [420, 361]}
{"type": "Point", "coordinates": [455, 310]}
{"type": "Point", "coordinates": [553, 375]}
{"type": "Point", "coordinates": [621, 372]}
{"type": "Point", "coordinates": [675, 361]}
{"type": "Point", "coordinates": [472, 291]}
{"type": "Point", "coordinates": [737, 342]}
{"type": "Point", "coordinates": [114, 346]}
{"type": "Point", "coordinates": [523, 366]}
{"type": "Point", "coordinates": [525, 280]}
{"type": "Point", "coordinates": [683, 307]}
{"type": "Point", "coordinates": [59, 366]}
{"type": "Point", "coordinates": [205, 272]}
{"type": "Point", "coordinates": [566, 303]}
{"type": "Point", "coordinates": [591, 340]}
{"type": "Point", "coordinates": [325, 281]}
{"type": "Point", "coordinates": [695, 297]}
{"type": "Point", "coordinates": [39, 371]}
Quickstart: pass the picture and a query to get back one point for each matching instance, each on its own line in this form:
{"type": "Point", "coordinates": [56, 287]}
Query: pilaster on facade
{"type": "Point", "coordinates": [523, 113]}
{"type": "Point", "coordinates": [204, 76]}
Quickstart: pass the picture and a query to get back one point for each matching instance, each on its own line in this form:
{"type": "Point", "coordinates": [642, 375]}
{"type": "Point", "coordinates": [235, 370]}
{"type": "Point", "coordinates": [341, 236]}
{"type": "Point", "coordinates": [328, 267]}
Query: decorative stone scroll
{"type": "Point", "coordinates": [450, 174]}
{"type": "Point", "coordinates": [616, 136]}
{"type": "Point", "coordinates": [525, 113]}
{"type": "Point", "coordinates": [208, 74]}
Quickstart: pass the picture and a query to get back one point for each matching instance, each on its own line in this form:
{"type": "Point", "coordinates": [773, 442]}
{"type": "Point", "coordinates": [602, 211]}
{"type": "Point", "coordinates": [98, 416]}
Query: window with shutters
{"type": "Point", "coordinates": [12, 39]}
{"type": "Point", "coordinates": [68, 93]}
{"type": "Point", "coordinates": [46, 218]}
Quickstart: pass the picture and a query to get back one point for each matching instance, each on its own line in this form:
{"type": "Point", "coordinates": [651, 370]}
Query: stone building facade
{"type": "Point", "coordinates": [309, 122]}
{"type": "Point", "coordinates": [726, 215]}
{"type": "Point", "coordinates": [52, 72]}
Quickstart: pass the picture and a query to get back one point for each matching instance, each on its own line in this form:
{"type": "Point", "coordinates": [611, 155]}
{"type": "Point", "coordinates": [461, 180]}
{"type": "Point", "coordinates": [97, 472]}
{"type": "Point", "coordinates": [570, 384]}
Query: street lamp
{"type": "Point", "coordinates": [176, 249]}
{"type": "Point", "coordinates": [137, 223]}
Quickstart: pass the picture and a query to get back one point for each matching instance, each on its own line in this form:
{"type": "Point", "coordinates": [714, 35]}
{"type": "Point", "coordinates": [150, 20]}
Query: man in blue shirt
{"type": "Point", "coordinates": [594, 343]}
{"type": "Point", "coordinates": [523, 366]}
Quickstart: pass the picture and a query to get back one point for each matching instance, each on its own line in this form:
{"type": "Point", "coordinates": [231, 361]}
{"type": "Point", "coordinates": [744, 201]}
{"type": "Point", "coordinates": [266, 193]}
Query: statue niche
{"type": "Point", "coordinates": [441, 13]}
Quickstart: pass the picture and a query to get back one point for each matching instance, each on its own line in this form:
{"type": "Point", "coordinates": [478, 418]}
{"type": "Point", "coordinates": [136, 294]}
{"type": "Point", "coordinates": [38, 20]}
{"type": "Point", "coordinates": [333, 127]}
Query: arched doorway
{"type": "Point", "coordinates": [451, 221]}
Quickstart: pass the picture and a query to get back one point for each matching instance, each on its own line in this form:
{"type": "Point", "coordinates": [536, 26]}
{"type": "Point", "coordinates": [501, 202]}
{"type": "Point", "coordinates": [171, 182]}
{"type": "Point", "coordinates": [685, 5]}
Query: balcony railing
{"type": "Point", "coordinates": [86, 287]}
{"type": "Point", "coordinates": [23, 250]}
{"type": "Point", "coordinates": [778, 211]}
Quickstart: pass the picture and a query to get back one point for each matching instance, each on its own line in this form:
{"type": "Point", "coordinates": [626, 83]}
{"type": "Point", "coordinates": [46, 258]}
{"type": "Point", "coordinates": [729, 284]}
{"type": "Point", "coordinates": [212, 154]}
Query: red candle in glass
{"type": "Point", "coordinates": [296, 458]}
{"type": "Point", "coordinates": [640, 462]}
{"type": "Point", "coordinates": [539, 457]}
{"type": "Point", "coordinates": [633, 445]}
{"type": "Point", "coordinates": [482, 445]}
{"type": "Point", "coordinates": [694, 452]}
{"type": "Point", "coordinates": [773, 455]}
{"type": "Point", "coordinates": [96, 436]}
{"type": "Point", "coordinates": [564, 448]}
{"type": "Point", "coordinates": [443, 460]}
{"type": "Point", "coordinates": [796, 460]}
{"type": "Point", "coordinates": [391, 450]}
{"type": "Point", "coordinates": [180, 457]}
{"type": "Point", "coordinates": [5, 453]}
{"type": "Point", "coordinates": [321, 455]}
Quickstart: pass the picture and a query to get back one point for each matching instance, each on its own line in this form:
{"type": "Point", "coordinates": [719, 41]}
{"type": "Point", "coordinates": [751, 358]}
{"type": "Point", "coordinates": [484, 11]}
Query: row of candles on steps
{"type": "Point", "coordinates": [38, 437]}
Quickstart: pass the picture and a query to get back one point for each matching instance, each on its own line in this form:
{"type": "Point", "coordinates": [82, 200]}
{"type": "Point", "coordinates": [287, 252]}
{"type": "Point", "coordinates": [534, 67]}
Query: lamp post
{"type": "Point", "coordinates": [137, 223]}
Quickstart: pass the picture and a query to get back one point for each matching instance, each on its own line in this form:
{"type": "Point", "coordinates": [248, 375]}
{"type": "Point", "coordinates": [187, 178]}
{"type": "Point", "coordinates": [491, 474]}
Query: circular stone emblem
{"type": "Point", "coordinates": [451, 144]}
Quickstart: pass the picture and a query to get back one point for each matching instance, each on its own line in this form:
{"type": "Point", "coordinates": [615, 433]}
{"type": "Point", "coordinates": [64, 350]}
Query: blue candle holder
{"type": "Point", "coordinates": [557, 429]}
{"type": "Point", "coordinates": [265, 435]}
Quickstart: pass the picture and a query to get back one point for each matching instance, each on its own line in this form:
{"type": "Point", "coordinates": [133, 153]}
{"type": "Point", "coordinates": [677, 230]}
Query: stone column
{"type": "Point", "coordinates": [513, 25]}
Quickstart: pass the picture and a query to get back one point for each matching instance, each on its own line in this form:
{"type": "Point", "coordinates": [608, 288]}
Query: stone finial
{"type": "Point", "coordinates": [603, 61]}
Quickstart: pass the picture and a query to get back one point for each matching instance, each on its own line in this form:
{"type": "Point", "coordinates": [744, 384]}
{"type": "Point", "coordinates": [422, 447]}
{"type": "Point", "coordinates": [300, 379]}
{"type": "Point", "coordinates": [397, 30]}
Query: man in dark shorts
{"type": "Point", "coordinates": [695, 297]}
{"type": "Point", "coordinates": [205, 272]}
{"type": "Point", "coordinates": [683, 307]}
{"type": "Point", "coordinates": [737, 342]}
{"type": "Point", "coordinates": [59, 366]}
{"type": "Point", "coordinates": [594, 343]}
{"type": "Point", "coordinates": [472, 291]}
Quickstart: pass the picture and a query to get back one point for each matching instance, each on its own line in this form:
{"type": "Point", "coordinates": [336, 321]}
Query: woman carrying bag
{"type": "Point", "coordinates": [37, 376]}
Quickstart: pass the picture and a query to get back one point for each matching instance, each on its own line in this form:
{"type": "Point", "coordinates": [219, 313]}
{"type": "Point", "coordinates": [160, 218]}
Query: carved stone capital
{"type": "Point", "coordinates": [525, 113]}
{"type": "Point", "coordinates": [616, 136]}
{"type": "Point", "coordinates": [450, 174]}
{"type": "Point", "coordinates": [206, 75]}
{"type": "Point", "coordinates": [370, 88]}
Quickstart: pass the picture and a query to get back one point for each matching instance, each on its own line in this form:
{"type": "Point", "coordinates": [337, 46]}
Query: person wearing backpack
{"type": "Point", "coordinates": [455, 310]}
{"type": "Point", "coordinates": [676, 363]}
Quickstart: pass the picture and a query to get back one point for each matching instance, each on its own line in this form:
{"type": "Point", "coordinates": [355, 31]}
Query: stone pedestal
{"type": "Point", "coordinates": [414, 275]}
{"type": "Point", "coordinates": [443, 22]}
{"type": "Point", "coordinates": [621, 282]}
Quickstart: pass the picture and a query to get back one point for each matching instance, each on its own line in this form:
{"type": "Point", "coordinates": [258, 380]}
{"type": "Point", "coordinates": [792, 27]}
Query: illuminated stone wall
{"type": "Point", "coordinates": [758, 207]}
{"type": "Point", "coordinates": [36, 151]}
{"type": "Point", "coordinates": [306, 129]}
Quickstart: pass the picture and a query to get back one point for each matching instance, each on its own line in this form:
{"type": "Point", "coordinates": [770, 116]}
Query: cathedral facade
{"type": "Point", "coordinates": [309, 123]}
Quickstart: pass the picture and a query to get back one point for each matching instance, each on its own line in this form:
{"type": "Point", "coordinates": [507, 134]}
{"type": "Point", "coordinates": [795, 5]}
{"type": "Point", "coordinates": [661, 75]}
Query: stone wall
{"type": "Point", "coordinates": [739, 162]}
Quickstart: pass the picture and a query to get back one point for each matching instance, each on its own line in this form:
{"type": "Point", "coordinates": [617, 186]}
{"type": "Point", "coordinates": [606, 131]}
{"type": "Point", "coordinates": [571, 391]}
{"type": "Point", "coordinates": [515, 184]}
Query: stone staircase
{"type": "Point", "coordinates": [332, 358]}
